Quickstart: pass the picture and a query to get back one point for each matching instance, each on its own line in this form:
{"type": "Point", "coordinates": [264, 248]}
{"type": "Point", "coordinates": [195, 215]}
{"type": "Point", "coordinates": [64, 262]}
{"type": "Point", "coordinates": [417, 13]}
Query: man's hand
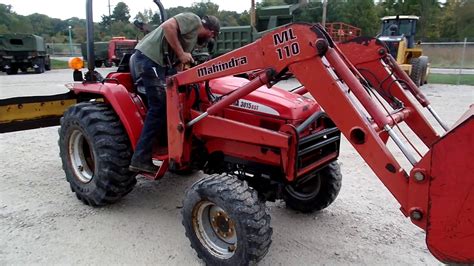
{"type": "Point", "coordinates": [185, 58]}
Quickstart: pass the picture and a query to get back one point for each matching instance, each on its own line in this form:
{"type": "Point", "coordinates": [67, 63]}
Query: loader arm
{"type": "Point", "coordinates": [366, 94]}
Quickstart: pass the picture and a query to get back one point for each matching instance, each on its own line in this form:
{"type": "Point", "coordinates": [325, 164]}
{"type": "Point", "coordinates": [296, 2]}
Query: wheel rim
{"type": "Point", "coordinates": [305, 189]}
{"type": "Point", "coordinates": [215, 229]}
{"type": "Point", "coordinates": [81, 157]}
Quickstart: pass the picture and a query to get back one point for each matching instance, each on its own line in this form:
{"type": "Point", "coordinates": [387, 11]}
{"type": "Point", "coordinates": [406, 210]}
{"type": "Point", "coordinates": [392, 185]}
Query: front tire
{"type": "Point", "coordinates": [318, 192]}
{"type": "Point", "coordinates": [225, 221]}
{"type": "Point", "coordinates": [95, 153]}
{"type": "Point", "coordinates": [418, 70]}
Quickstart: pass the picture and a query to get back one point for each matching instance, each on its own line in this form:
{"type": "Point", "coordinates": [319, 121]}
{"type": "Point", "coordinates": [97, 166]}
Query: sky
{"type": "Point", "coordinates": [64, 9]}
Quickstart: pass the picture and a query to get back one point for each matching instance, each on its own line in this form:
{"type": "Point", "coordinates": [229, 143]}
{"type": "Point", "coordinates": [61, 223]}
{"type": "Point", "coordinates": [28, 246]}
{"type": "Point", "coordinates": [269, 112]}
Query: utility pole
{"type": "Point", "coordinates": [325, 6]}
{"type": "Point", "coordinates": [253, 19]}
{"type": "Point", "coordinates": [70, 40]}
{"type": "Point", "coordinates": [110, 14]}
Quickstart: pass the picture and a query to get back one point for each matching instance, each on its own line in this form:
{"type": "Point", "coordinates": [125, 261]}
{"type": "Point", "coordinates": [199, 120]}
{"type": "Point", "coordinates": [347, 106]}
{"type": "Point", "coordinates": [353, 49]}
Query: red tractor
{"type": "Point", "coordinates": [260, 143]}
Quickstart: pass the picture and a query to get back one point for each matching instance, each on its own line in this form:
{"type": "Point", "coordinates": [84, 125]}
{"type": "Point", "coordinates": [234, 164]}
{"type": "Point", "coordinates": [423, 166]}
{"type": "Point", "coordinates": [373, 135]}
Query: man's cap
{"type": "Point", "coordinates": [212, 23]}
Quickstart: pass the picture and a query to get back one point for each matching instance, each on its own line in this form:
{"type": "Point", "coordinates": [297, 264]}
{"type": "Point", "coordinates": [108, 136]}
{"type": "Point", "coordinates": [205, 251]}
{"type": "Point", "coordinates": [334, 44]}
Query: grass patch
{"type": "Point", "coordinates": [58, 64]}
{"type": "Point", "coordinates": [466, 79]}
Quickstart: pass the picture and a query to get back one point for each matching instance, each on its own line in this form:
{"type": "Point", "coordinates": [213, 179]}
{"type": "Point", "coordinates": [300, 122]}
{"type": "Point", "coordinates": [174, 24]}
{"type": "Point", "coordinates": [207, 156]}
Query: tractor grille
{"type": "Point", "coordinates": [318, 147]}
{"type": "Point", "coordinates": [120, 50]}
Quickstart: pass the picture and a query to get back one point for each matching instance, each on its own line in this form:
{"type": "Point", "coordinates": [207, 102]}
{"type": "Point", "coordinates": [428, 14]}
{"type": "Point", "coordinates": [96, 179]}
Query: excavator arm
{"type": "Point", "coordinates": [367, 95]}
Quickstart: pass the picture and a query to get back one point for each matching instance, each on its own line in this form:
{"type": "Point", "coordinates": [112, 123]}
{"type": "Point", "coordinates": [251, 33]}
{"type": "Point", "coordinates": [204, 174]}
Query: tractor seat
{"type": "Point", "coordinates": [137, 81]}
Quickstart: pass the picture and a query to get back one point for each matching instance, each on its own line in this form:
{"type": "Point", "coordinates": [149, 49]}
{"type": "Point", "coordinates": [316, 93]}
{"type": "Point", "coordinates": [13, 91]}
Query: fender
{"type": "Point", "coordinates": [128, 106]}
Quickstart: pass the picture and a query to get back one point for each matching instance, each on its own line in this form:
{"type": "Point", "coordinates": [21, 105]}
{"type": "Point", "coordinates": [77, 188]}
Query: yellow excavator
{"type": "Point", "coordinates": [398, 32]}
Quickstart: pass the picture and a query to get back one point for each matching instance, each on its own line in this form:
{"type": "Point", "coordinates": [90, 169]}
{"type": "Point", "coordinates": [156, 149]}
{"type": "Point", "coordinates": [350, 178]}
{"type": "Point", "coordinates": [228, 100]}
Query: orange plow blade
{"type": "Point", "coordinates": [450, 229]}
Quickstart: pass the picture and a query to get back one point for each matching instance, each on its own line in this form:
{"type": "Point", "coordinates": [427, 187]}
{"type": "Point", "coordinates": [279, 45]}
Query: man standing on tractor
{"type": "Point", "coordinates": [156, 57]}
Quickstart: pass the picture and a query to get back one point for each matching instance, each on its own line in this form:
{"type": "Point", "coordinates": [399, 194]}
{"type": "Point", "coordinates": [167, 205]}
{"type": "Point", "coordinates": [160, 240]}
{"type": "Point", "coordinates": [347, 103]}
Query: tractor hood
{"type": "Point", "coordinates": [275, 101]}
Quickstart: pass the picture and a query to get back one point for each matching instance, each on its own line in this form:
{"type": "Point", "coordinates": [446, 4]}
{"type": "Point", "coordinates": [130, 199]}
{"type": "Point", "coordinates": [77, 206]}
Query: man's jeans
{"type": "Point", "coordinates": [153, 77]}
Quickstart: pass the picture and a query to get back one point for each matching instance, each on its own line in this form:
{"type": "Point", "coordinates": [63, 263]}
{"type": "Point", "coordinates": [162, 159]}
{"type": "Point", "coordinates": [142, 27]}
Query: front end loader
{"type": "Point", "coordinates": [260, 143]}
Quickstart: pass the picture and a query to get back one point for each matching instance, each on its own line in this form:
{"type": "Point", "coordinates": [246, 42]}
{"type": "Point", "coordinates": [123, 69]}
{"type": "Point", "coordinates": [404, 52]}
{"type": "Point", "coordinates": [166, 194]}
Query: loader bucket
{"type": "Point", "coordinates": [450, 229]}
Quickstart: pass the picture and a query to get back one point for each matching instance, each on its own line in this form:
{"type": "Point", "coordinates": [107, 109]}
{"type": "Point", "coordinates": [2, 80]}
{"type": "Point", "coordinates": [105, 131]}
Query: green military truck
{"type": "Point", "coordinates": [22, 51]}
{"type": "Point", "coordinates": [111, 52]}
{"type": "Point", "coordinates": [267, 18]}
{"type": "Point", "coordinates": [101, 50]}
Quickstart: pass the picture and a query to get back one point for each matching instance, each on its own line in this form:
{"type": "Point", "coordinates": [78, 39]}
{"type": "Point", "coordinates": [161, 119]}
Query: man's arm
{"type": "Point", "coordinates": [171, 30]}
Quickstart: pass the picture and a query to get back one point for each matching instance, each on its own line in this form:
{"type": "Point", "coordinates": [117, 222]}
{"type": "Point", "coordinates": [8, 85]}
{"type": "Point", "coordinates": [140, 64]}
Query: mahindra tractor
{"type": "Point", "coordinates": [257, 142]}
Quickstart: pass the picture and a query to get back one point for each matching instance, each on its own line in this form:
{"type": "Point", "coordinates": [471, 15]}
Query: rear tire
{"type": "Point", "coordinates": [316, 193]}
{"type": "Point", "coordinates": [40, 68]}
{"type": "Point", "coordinates": [12, 71]}
{"type": "Point", "coordinates": [107, 64]}
{"type": "Point", "coordinates": [98, 63]}
{"type": "Point", "coordinates": [95, 153]}
{"type": "Point", "coordinates": [225, 221]}
{"type": "Point", "coordinates": [419, 67]}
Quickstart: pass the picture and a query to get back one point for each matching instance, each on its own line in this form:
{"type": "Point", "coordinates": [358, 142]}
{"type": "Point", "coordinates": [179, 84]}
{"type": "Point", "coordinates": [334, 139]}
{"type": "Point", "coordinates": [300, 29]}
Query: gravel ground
{"type": "Point", "coordinates": [41, 221]}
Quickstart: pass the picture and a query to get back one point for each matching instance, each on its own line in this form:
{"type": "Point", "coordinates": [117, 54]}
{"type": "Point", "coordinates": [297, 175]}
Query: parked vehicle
{"type": "Point", "coordinates": [398, 32]}
{"type": "Point", "coordinates": [23, 51]}
{"type": "Point", "coordinates": [101, 57]}
{"type": "Point", "coordinates": [118, 47]}
{"type": "Point", "coordinates": [111, 52]}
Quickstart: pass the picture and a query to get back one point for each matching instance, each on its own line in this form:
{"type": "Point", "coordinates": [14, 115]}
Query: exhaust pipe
{"type": "Point", "coordinates": [91, 75]}
{"type": "Point", "coordinates": [90, 39]}
{"type": "Point", "coordinates": [163, 14]}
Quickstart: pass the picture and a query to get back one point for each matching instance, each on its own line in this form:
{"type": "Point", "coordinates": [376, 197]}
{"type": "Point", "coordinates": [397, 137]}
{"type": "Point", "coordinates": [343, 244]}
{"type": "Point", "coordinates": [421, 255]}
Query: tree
{"type": "Point", "coordinates": [205, 8]}
{"type": "Point", "coordinates": [41, 24]}
{"type": "Point", "coordinates": [244, 18]}
{"type": "Point", "coordinates": [106, 21]}
{"type": "Point", "coordinates": [5, 13]}
{"type": "Point", "coordinates": [121, 12]}
{"type": "Point", "coordinates": [465, 13]}
{"type": "Point", "coordinates": [448, 21]}
{"type": "Point", "coordinates": [272, 3]}
{"type": "Point", "coordinates": [361, 13]}
{"type": "Point", "coordinates": [173, 11]}
{"type": "Point", "coordinates": [146, 16]}
{"type": "Point", "coordinates": [312, 12]}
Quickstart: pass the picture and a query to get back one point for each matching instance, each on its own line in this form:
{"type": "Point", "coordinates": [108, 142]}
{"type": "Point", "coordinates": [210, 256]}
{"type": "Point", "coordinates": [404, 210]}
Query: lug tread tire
{"type": "Point", "coordinates": [419, 67]}
{"type": "Point", "coordinates": [41, 67]}
{"type": "Point", "coordinates": [107, 138]}
{"type": "Point", "coordinates": [241, 202]}
{"type": "Point", "coordinates": [331, 182]}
